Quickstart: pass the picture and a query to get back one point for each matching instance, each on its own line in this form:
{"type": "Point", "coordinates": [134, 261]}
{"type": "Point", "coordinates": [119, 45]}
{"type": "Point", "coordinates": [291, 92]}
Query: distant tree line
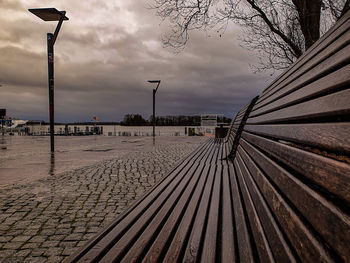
{"type": "Point", "coordinates": [180, 120]}
{"type": "Point", "coordinates": [134, 120]}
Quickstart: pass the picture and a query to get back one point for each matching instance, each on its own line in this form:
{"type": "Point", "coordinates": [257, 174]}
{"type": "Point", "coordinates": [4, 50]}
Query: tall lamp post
{"type": "Point", "coordinates": [154, 105]}
{"type": "Point", "coordinates": [51, 14]}
{"type": "Point", "coordinates": [2, 115]}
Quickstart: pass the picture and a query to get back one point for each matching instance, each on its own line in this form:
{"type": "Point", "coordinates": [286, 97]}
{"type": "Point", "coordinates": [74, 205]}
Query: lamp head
{"type": "Point", "coordinates": [155, 81]}
{"type": "Point", "coordinates": [48, 14]}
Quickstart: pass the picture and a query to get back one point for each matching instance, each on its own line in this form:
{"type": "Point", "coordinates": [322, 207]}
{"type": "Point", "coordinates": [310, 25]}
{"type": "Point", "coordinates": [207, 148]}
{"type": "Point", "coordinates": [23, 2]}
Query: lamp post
{"type": "Point", "coordinates": [2, 115]}
{"type": "Point", "coordinates": [154, 105]}
{"type": "Point", "coordinates": [51, 14]}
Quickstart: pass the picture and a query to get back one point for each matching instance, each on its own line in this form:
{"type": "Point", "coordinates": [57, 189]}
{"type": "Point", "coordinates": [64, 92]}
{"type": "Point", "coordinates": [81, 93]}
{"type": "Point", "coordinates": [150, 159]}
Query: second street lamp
{"type": "Point", "coordinates": [154, 105]}
{"type": "Point", "coordinates": [51, 14]}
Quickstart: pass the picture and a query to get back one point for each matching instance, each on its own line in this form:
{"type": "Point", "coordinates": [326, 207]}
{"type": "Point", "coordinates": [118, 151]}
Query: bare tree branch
{"type": "Point", "coordinates": [278, 30]}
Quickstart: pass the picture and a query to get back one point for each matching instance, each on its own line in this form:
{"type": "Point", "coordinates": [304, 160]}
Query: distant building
{"type": "Point", "coordinates": [40, 128]}
{"type": "Point", "coordinates": [209, 120]}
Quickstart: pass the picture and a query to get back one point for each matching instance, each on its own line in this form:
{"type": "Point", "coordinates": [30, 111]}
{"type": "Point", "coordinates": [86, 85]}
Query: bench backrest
{"type": "Point", "coordinates": [293, 157]}
{"type": "Point", "coordinates": [235, 130]}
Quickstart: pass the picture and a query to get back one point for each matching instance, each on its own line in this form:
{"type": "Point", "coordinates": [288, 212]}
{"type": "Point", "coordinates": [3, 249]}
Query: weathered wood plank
{"type": "Point", "coordinates": [332, 175]}
{"type": "Point", "coordinates": [262, 245]}
{"type": "Point", "coordinates": [296, 92]}
{"type": "Point", "coordinates": [245, 252]}
{"type": "Point", "coordinates": [331, 105]}
{"type": "Point", "coordinates": [209, 252]}
{"type": "Point", "coordinates": [250, 106]}
{"type": "Point", "coordinates": [333, 137]}
{"type": "Point", "coordinates": [305, 244]}
{"type": "Point", "coordinates": [228, 253]}
{"type": "Point", "coordinates": [173, 252]}
{"type": "Point", "coordinates": [192, 251]}
{"type": "Point", "coordinates": [319, 212]}
{"type": "Point", "coordinates": [169, 223]}
{"type": "Point", "coordinates": [280, 248]}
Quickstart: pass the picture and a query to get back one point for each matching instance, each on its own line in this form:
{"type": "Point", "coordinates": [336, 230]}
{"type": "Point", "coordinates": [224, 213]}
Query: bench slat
{"type": "Point", "coordinates": [173, 252]}
{"type": "Point", "coordinates": [335, 56]}
{"type": "Point", "coordinates": [228, 225]}
{"type": "Point", "coordinates": [332, 175]}
{"type": "Point", "coordinates": [328, 136]}
{"type": "Point", "coordinates": [193, 247]}
{"type": "Point", "coordinates": [292, 94]}
{"type": "Point", "coordinates": [262, 246]}
{"type": "Point", "coordinates": [331, 105]}
{"type": "Point", "coordinates": [318, 211]}
{"type": "Point", "coordinates": [210, 236]}
{"type": "Point", "coordinates": [245, 251]}
{"type": "Point", "coordinates": [281, 248]}
{"type": "Point", "coordinates": [304, 243]}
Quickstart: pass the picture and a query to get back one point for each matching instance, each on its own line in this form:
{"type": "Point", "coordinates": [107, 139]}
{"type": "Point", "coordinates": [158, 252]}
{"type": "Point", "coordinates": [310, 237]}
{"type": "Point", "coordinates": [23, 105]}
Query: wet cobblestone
{"type": "Point", "coordinates": [47, 220]}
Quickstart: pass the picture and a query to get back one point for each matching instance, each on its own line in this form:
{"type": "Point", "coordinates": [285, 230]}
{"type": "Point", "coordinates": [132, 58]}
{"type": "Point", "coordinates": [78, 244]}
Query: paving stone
{"type": "Point", "coordinates": [55, 259]}
{"type": "Point", "coordinates": [20, 239]}
{"type": "Point", "coordinates": [4, 253]}
{"type": "Point", "coordinates": [48, 232]}
{"type": "Point", "coordinates": [23, 253]}
{"type": "Point", "coordinates": [53, 251]}
{"type": "Point", "coordinates": [13, 259]}
{"type": "Point", "coordinates": [12, 245]}
{"type": "Point", "coordinates": [38, 239]}
{"type": "Point", "coordinates": [67, 243]}
{"type": "Point", "coordinates": [63, 231]}
{"type": "Point", "coordinates": [49, 244]}
{"type": "Point", "coordinates": [69, 251]}
{"type": "Point", "coordinates": [73, 237]}
{"type": "Point", "coordinates": [37, 252]}
{"type": "Point", "coordinates": [31, 245]}
{"type": "Point", "coordinates": [35, 260]}
{"type": "Point", "coordinates": [5, 238]}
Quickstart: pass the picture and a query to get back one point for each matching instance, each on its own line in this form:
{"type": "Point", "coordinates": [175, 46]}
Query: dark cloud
{"type": "Point", "coordinates": [104, 58]}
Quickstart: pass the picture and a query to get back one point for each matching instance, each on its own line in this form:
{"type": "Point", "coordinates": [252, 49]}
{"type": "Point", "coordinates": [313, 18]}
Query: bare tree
{"type": "Point", "coordinates": [280, 30]}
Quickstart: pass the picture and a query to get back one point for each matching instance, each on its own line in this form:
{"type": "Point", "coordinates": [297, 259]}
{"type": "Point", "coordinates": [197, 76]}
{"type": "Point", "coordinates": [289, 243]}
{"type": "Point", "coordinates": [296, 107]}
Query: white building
{"type": "Point", "coordinates": [37, 128]}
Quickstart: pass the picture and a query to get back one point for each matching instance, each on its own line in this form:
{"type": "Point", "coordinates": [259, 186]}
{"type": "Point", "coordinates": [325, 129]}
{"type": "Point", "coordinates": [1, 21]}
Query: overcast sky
{"type": "Point", "coordinates": [104, 56]}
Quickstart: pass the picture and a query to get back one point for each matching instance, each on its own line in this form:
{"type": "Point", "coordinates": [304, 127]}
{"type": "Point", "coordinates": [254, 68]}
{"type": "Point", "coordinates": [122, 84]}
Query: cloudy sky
{"type": "Point", "coordinates": [104, 56]}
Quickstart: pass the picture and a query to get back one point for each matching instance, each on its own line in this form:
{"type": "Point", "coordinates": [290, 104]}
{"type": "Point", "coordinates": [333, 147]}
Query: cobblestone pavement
{"type": "Point", "coordinates": [49, 219]}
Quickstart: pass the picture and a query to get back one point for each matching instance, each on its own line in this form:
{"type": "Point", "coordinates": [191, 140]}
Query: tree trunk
{"type": "Point", "coordinates": [346, 8]}
{"type": "Point", "coordinates": [309, 17]}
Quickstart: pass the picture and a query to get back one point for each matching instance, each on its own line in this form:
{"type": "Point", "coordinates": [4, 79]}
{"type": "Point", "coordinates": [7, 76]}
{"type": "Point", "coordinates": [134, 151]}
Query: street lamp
{"type": "Point", "coordinates": [51, 14]}
{"type": "Point", "coordinates": [154, 104]}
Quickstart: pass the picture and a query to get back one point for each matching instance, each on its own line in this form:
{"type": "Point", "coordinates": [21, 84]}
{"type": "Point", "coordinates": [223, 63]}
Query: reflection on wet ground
{"type": "Point", "coordinates": [52, 164]}
{"type": "Point", "coordinates": [3, 143]}
{"type": "Point", "coordinates": [26, 158]}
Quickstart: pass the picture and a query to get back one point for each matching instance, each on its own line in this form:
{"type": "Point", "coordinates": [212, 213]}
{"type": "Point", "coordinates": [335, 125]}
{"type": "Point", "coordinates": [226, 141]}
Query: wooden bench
{"type": "Point", "coordinates": [276, 189]}
{"type": "Point", "coordinates": [293, 158]}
